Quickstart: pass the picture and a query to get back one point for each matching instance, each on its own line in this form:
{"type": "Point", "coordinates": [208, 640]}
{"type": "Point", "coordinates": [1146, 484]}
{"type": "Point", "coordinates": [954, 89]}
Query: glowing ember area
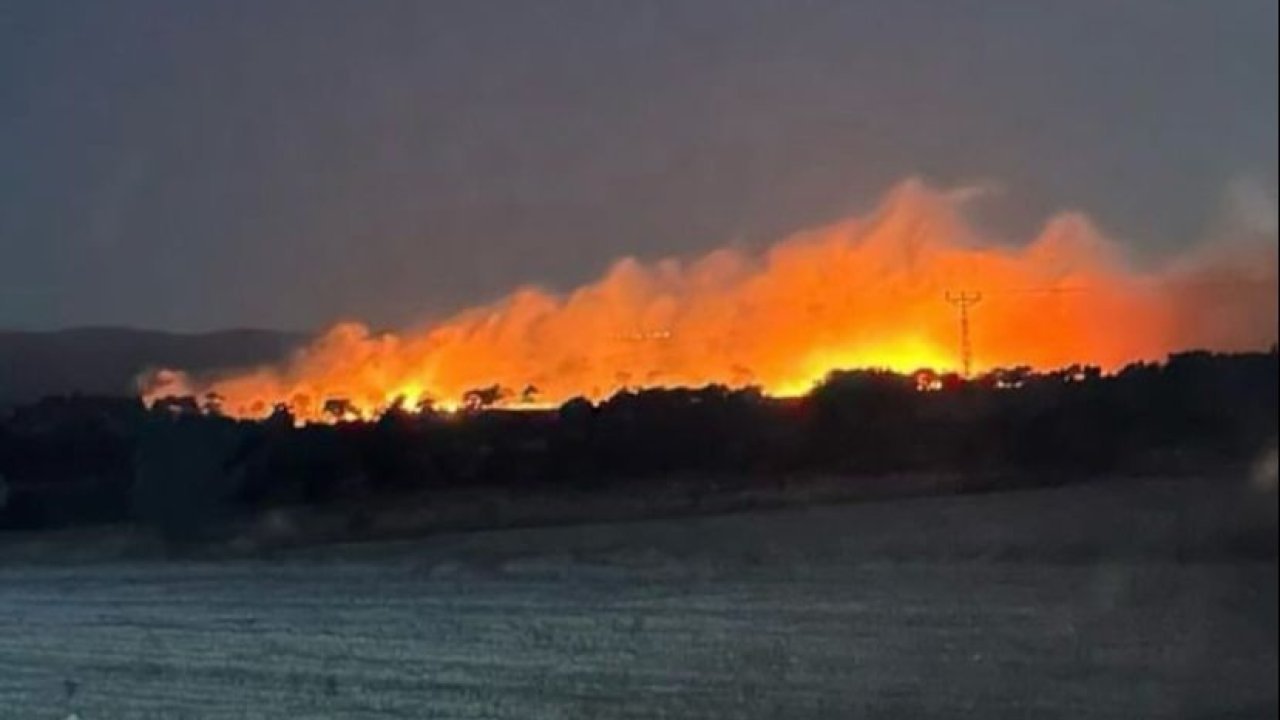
{"type": "Point", "coordinates": [864, 292]}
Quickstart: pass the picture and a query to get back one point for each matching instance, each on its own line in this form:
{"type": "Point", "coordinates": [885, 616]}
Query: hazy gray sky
{"type": "Point", "coordinates": [195, 165]}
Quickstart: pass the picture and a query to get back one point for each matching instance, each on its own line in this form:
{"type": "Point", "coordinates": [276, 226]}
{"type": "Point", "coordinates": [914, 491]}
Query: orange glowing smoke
{"type": "Point", "coordinates": [863, 292]}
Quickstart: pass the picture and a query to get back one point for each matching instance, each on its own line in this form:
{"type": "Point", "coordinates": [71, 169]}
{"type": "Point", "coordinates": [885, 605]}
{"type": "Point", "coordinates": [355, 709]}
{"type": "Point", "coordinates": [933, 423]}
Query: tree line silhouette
{"type": "Point", "coordinates": [181, 465]}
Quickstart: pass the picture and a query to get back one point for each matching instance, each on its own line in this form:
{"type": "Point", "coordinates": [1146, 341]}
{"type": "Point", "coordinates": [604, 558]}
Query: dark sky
{"type": "Point", "coordinates": [193, 165]}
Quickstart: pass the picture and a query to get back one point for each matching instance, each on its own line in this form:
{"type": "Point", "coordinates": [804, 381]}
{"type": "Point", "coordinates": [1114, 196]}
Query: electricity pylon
{"type": "Point", "coordinates": [963, 300]}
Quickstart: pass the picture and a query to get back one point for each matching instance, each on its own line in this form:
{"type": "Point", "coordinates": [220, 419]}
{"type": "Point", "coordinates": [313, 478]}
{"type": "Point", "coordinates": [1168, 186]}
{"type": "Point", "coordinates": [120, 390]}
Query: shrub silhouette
{"type": "Point", "coordinates": [182, 471]}
{"type": "Point", "coordinates": [184, 475]}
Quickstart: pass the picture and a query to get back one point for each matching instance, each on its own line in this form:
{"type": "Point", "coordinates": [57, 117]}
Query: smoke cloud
{"type": "Point", "coordinates": [867, 291]}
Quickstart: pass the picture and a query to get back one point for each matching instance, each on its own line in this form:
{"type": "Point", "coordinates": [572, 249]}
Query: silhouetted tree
{"type": "Point", "coordinates": [341, 409]}
{"type": "Point", "coordinates": [184, 475]}
{"type": "Point", "coordinates": [181, 468]}
{"type": "Point", "coordinates": [481, 398]}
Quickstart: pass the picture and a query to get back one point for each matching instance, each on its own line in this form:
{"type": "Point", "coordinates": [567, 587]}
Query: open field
{"type": "Point", "coordinates": [1118, 601]}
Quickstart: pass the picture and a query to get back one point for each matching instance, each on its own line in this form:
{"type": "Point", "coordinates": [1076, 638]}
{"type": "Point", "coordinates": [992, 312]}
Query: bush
{"type": "Point", "coordinates": [184, 475]}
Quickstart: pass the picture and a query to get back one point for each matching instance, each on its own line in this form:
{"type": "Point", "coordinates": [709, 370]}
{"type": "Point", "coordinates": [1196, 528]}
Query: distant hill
{"type": "Point", "coordinates": [107, 360]}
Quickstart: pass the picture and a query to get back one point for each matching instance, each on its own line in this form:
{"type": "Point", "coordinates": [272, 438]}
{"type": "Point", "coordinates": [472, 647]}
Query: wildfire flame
{"type": "Point", "coordinates": [864, 292]}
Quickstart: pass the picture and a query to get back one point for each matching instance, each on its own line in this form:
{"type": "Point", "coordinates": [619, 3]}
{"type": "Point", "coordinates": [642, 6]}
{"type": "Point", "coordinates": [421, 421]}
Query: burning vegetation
{"type": "Point", "coordinates": [910, 286]}
{"type": "Point", "coordinates": [858, 434]}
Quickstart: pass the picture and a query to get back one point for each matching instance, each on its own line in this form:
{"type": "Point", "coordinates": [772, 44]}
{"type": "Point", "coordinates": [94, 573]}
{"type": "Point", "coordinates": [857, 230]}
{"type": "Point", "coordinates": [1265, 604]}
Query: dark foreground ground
{"type": "Point", "coordinates": [1153, 599]}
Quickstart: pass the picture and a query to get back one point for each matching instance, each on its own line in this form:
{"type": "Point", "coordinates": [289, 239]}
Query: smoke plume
{"type": "Point", "coordinates": [863, 292]}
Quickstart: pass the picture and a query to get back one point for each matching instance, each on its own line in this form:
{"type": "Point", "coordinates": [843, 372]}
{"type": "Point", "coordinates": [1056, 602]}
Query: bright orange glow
{"type": "Point", "coordinates": [864, 292]}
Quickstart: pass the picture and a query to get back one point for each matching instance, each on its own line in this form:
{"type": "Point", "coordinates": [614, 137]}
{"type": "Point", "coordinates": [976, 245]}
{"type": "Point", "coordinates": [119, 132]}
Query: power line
{"type": "Point", "coordinates": [1234, 286]}
{"type": "Point", "coordinates": [964, 299]}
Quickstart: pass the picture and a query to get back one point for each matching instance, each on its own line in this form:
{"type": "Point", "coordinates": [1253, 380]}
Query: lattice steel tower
{"type": "Point", "coordinates": [964, 300]}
